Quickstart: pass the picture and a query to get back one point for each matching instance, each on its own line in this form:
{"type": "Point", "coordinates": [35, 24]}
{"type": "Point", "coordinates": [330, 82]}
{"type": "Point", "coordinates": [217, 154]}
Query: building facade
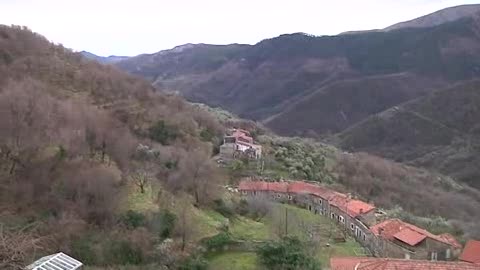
{"type": "Point", "coordinates": [239, 143]}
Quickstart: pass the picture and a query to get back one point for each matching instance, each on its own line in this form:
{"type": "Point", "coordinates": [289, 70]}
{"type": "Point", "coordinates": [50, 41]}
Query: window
{"type": "Point", "coordinates": [342, 220]}
{"type": "Point", "coordinates": [290, 197]}
{"type": "Point", "coordinates": [364, 237]}
{"type": "Point", "coordinates": [332, 215]}
{"type": "Point", "coordinates": [278, 196]}
{"type": "Point", "coordinates": [434, 256]}
{"type": "Point", "coordinates": [320, 202]}
{"type": "Point", "coordinates": [352, 227]}
{"type": "Point", "coordinates": [254, 193]}
{"type": "Point", "coordinates": [448, 254]}
{"type": "Point", "coordinates": [407, 256]}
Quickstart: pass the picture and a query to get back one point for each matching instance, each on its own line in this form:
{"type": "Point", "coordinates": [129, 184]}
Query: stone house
{"type": "Point", "coordinates": [398, 239]}
{"type": "Point", "coordinates": [391, 238]}
{"type": "Point", "coordinates": [353, 215]}
{"type": "Point", "coordinates": [239, 143]}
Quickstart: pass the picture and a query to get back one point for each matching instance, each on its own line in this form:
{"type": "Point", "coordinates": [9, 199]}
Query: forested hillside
{"type": "Point", "coordinates": [79, 144]}
{"type": "Point", "coordinates": [439, 131]}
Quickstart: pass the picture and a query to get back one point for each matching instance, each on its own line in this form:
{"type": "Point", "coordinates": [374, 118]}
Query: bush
{"type": "Point", "coordinates": [222, 208]}
{"type": "Point", "coordinates": [287, 254]}
{"type": "Point", "coordinates": [218, 241]}
{"type": "Point", "coordinates": [242, 207]}
{"type": "Point", "coordinates": [163, 133]}
{"type": "Point", "coordinates": [133, 219]}
{"type": "Point", "coordinates": [163, 223]}
{"type": "Point", "coordinates": [122, 252]}
{"type": "Point", "coordinates": [82, 249]}
{"type": "Point", "coordinates": [194, 263]}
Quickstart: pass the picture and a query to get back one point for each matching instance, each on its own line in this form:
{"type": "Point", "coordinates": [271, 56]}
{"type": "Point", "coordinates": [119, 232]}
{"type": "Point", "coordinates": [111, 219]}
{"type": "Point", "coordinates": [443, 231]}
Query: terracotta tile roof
{"type": "Point", "coordinates": [409, 236]}
{"type": "Point", "coordinates": [471, 252]}
{"type": "Point", "coordinates": [359, 263]}
{"type": "Point", "coordinates": [391, 227]}
{"type": "Point", "coordinates": [354, 207]}
{"type": "Point", "coordinates": [278, 187]}
{"type": "Point", "coordinates": [451, 239]}
{"type": "Point", "coordinates": [300, 187]}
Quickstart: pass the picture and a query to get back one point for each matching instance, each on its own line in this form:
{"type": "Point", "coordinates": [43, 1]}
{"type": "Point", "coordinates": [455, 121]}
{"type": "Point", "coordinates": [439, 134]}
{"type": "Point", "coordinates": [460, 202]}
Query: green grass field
{"type": "Point", "coordinates": [302, 223]}
{"type": "Point", "coordinates": [233, 261]}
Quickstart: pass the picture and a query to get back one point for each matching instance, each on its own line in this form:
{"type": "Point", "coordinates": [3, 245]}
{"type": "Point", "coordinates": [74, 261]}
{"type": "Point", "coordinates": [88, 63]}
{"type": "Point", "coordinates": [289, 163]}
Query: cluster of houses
{"type": "Point", "coordinates": [393, 240]}
{"type": "Point", "coordinates": [239, 143]}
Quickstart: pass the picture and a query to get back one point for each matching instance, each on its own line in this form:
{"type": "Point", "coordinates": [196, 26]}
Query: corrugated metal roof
{"type": "Point", "coordinates": [59, 261]}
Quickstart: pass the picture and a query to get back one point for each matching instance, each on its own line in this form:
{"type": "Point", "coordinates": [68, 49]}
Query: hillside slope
{"type": "Point", "coordinates": [439, 131]}
{"type": "Point", "coordinates": [90, 158]}
{"type": "Point", "coordinates": [274, 79]}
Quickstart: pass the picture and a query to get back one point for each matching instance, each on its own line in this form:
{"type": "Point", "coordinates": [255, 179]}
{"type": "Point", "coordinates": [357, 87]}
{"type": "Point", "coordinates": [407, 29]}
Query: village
{"type": "Point", "coordinates": [390, 242]}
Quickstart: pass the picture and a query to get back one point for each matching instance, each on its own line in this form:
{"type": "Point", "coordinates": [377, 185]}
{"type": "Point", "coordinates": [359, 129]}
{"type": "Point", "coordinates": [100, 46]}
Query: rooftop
{"type": "Point", "coordinates": [471, 252]}
{"type": "Point", "coordinates": [362, 263]}
{"type": "Point", "coordinates": [410, 234]}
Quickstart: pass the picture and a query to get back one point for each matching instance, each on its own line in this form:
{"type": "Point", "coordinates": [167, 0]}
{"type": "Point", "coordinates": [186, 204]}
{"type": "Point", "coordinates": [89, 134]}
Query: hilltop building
{"type": "Point", "coordinates": [239, 143]}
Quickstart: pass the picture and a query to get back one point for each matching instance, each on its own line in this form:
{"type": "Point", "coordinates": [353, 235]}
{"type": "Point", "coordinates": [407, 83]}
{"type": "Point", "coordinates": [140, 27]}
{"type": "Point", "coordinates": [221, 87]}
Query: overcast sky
{"type": "Point", "coordinates": [121, 27]}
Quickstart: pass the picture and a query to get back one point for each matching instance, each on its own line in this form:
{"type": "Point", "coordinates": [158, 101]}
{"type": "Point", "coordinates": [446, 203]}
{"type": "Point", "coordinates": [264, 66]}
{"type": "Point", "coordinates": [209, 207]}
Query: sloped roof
{"type": "Point", "coordinates": [471, 252]}
{"type": "Point", "coordinates": [410, 236]}
{"type": "Point", "coordinates": [362, 263]}
{"type": "Point", "coordinates": [354, 207]}
{"type": "Point", "coordinates": [59, 261]}
{"type": "Point", "coordinates": [388, 229]}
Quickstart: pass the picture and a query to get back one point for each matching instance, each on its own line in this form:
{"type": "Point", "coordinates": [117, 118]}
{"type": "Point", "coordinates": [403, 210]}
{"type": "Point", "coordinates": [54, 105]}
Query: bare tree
{"type": "Point", "coordinates": [17, 247]}
{"type": "Point", "coordinates": [198, 175]}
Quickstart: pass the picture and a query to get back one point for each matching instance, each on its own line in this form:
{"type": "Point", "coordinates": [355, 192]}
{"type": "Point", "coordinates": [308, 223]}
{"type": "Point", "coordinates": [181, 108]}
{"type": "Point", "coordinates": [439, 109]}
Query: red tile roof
{"type": "Point", "coordinates": [390, 228]}
{"type": "Point", "coordinates": [354, 207]}
{"type": "Point", "coordinates": [471, 252]}
{"type": "Point", "coordinates": [359, 263]}
{"type": "Point", "coordinates": [409, 236]}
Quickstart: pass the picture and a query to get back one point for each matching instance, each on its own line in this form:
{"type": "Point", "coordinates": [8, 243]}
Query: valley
{"type": "Point", "coordinates": [296, 152]}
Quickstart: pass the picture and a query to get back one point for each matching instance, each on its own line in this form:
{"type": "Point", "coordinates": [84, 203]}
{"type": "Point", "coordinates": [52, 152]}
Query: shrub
{"type": "Point", "coordinates": [163, 133]}
{"type": "Point", "coordinates": [194, 263]}
{"type": "Point", "coordinates": [288, 253]}
{"type": "Point", "coordinates": [122, 252]}
{"type": "Point", "coordinates": [82, 249]}
{"type": "Point", "coordinates": [218, 241]}
{"type": "Point", "coordinates": [133, 219]}
{"type": "Point", "coordinates": [222, 208]}
{"type": "Point", "coordinates": [163, 223]}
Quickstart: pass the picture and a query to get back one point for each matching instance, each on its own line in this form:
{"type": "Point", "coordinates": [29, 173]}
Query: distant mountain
{"type": "Point", "coordinates": [299, 84]}
{"type": "Point", "coordinates": [439, 17]}
{"type": "Point", "coordinates": [103, 59]}
{"type": "Point", "coordinates": [440, 131]}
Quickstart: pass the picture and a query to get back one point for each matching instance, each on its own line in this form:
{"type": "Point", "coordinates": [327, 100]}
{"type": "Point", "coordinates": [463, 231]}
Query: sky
{"type": "Point", "coordinates": [120, 27]}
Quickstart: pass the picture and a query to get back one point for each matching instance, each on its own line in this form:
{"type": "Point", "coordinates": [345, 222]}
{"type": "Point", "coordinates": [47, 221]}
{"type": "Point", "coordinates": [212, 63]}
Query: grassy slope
{"type": "Point", "coordinates": [247, 229]}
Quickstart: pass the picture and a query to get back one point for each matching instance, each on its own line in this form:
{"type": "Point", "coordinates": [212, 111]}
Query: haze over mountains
{"type": "Point", "coordinates": [340, 86]}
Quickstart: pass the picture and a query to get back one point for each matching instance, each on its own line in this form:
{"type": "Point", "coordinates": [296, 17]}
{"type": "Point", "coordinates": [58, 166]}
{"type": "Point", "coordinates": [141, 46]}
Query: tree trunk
{"type": "Point", "coordinates": [12, 168]}
{"type": "Point", "coordinates": [104, 147]}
